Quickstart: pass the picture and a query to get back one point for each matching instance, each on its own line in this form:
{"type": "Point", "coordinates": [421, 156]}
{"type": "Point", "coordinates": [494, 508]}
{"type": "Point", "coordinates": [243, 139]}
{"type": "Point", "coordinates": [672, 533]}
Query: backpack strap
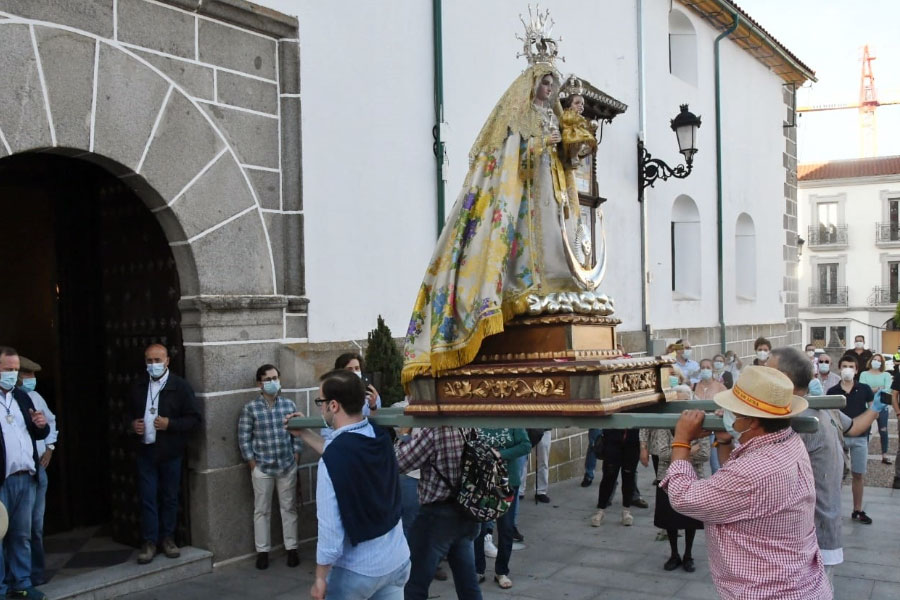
{"type": "Point", "coordinates": [454, 489]}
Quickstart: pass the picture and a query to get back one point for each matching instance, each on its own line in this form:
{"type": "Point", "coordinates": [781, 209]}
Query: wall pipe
{"type": "Point", "coordinates": [439, 147]}
{"type": "Point", "coordinates": [719, 210]}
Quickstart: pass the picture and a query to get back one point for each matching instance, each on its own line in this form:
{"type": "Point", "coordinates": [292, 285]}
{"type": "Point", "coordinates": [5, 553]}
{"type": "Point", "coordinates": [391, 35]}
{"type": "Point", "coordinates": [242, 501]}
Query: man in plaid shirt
{"type": "Point", "coordinates": [758, 508]}
{"type": "Point", "coordinates": [439, 529]}
{"type": "Point", "coordinates": [272, 455]}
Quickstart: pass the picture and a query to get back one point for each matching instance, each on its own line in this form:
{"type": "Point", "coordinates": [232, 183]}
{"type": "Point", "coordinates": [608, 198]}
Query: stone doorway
{"type": "Point", "coordinates": [95, 283]}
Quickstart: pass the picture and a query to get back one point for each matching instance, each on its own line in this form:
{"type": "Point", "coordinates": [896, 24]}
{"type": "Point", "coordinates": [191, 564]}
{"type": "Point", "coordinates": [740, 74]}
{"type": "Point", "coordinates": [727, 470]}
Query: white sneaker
{"type": "Point", "coordinates": [597, 519]}
{"type": "Point", "coordinates": [627, 519]}
{"type": "Point", "coordinates": [490, 550]}
{"type": "Point", "coordinates": [518, 546]}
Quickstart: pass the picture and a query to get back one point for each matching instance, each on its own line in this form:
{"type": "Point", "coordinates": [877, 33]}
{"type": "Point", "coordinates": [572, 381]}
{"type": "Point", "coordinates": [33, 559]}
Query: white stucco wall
{"type": "Point", "coordinates": [862, 203]}
{"type": "Point", "coordinates": [370, 199]}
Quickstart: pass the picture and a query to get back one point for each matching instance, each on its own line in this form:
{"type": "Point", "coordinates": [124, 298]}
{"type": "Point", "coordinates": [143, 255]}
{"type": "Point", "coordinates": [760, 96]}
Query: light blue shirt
{"type": "Point", "coordinates": [690, 369]}
{"type": "Point", "coordinates": [41, 405]}
{"type": "Point", "coordinates": [372, 558]}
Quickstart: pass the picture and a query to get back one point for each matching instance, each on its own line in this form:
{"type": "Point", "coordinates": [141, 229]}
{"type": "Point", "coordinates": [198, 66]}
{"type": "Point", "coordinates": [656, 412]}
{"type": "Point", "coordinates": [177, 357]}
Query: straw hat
{"type": "Point", "coordinates": [4, 521]}
{"type": "Point", "coordinates": [763, 393]}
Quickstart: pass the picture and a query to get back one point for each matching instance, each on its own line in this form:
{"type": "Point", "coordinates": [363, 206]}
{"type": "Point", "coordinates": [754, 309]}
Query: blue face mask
{"type": "Point", "coordinates": [271, 387]}
{"type": "Point", "coordinates": [815, 388]}
{"type": "Point", "coordinates": [8, 379]}
{"type": "Point", "coordinates": [673, 380]}
{"type": "Point", "coordinates": [728, 419]}
{"type": "Point", "coordinates": [156, 370]}
{"type": "Point", "coordinates": [29, 384]}
{"type": "Point", "coordinates": [705, 374]}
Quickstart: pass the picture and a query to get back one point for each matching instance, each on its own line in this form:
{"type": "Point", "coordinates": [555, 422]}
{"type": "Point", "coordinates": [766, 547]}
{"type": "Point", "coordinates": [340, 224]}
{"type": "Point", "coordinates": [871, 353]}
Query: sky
{"type": "Point", "coordinates": [828, 36]}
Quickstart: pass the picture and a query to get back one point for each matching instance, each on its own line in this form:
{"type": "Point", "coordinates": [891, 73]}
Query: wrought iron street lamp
{"type": "Point", "coordinates": [685, 125]}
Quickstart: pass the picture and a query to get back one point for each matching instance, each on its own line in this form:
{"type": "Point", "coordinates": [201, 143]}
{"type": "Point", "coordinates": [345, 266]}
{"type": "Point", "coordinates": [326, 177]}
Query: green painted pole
{"type": "Point", "coordinates": [437, 27]}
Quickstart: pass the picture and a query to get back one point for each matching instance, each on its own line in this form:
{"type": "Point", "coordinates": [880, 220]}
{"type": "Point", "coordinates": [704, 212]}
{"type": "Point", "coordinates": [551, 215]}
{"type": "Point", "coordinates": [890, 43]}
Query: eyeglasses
{"type": "Point", "coordinates": [320, 401]}
{"type": "Point", "coordinates": [824, 362]}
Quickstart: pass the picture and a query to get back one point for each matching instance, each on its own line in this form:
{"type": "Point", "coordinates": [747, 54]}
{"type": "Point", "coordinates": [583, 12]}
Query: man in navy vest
{"type": "Point", "coordinates": [361, 547]}
{"type": "Point", "coordinates": [20, 426]}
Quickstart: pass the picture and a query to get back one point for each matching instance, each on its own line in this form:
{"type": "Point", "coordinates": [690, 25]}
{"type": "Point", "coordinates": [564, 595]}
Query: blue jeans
{"type": "Point", "coordinates": [409, 502]}
{"type": "Point", "coordinates": [441, 530]}
{"type": "Point", "coordinates": [17, 494]}
{"type": "Point", "coordinates": [158, 485]}
{"type": "Point", "coordinates": [37, 528]}
{"type": "Point", "coordinates": [883, 430]}
{"type": "Point", "coordinates": [505, 525]}
{"type": "Point", "coordinates": [590, 460]}
{"type": "Point", "coordinates": [713, 456]}
{"type": "Point", "coordinates": [347, 585]}
{"type": "Point", "coordinates": [517, 463]}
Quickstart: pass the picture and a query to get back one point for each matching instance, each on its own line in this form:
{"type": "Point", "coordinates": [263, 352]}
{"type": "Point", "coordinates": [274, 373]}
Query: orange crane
{"type": "Point", "coordinates": [868, 102]}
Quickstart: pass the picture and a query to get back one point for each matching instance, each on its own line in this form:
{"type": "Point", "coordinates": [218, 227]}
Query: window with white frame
{"type": "Point", "coordinates": [685, 248]}
{"type": "Point", "coordinates": [682, 47]}
{"type": "Point", "coordinates": [745, 257]}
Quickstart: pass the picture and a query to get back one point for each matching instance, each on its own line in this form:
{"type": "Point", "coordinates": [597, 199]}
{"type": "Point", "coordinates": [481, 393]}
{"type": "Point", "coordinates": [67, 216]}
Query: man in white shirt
{"type": "Point", "coordinates": [45, 448]}
{"type": "Point", "coordinates": [20, 426]}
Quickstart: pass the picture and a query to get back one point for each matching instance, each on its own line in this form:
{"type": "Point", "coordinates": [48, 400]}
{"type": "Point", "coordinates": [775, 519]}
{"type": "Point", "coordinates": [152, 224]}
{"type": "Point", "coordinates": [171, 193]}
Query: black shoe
{"type": "Point", "coordinates": [862, 517]}
{"type": "Point", "coordinates": [517, 537]}
{"type": "Point", "coordinates": [896, 484]}
{"type": "Point", "coordinates": [262, 560]}
{"type": "Point", "coordinates": [293, 558]}
{"type": "Point", "coordinates": [673, 563]}
{"type": "Point", "coordinates": [640, 503]}
{"type": "Point", "coordinates": [688, 565]}
{"type": "Point", "coordinates": [542, 498]}
{"type": "Point", "coordinates": [587, 481]}
{"type": "Point", "coordinates": [31, 592]}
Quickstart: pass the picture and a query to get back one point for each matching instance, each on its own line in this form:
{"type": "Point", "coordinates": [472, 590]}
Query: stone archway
{"type": "Point", "coordinates": [85, 96]}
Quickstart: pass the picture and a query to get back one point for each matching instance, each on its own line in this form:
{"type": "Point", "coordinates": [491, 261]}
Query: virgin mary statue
{"type": "Point", "coordinates": [505, 249]}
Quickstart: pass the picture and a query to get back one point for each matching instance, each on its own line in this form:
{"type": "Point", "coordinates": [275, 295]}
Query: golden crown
{"type": "Point", "coordinates": [572, 87]}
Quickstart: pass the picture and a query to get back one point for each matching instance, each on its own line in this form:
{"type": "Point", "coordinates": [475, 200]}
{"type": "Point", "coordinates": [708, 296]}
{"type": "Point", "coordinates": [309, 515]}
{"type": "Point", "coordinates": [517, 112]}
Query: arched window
{"type": "Point", "coordinates": [682, 47]}
{"type": "Point", "coordinates": [745, 257]}
{"type": "Point", "coordinates": [685, 247]}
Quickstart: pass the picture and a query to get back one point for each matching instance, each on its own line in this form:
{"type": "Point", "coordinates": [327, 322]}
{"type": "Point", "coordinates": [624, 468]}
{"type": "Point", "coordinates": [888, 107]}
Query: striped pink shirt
{"type": "Point", "coordinates": [758, 511]}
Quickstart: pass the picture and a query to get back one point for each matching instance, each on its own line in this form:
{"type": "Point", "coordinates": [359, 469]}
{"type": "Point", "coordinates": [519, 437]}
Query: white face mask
{"type": "Point", "coordinates": [810, 353]}
{"type": "Point", "coordinates": [762, 355]}
{"type": "Point", "coordinates": [718, 365]}
{"type": "Point", "coordinates": [847, 373]}
{"type": "Point", "coordinates": [358, 374]}
{"type": "Point", "coordinates": [876, 364]}
{"type": "Point", "coordinates": [860, 345]}
{"type": "Point", "coordinates": [687, 354]}
{"type": "Point", "coordinates": [824, 368]}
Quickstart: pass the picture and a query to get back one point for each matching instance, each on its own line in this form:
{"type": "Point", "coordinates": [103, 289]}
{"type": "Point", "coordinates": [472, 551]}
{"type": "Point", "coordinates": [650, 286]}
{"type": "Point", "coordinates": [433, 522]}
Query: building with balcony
{"type": "Point", "coordinates": [850, 264]}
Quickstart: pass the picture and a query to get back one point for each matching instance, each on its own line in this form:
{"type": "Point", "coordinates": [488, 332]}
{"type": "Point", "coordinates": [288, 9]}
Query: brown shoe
{"type": "Point", "coordinates": [170, 549]}
{"type": "Point", "coordinates": [148, 551]}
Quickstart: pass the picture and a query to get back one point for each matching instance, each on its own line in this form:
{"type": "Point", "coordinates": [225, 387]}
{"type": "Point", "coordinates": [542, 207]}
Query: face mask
{"type": "Point", "coordinates": [156, 370]}
{"type": "Point", "coordinates": [728, 419]}
{"type": "Point", "coordinates": [705, 374]}
{"type": "Point", "coordinates": [730, 359]}
{"type": "Point", "coordinates": [673, 380]}
{"type": "Point", "coordinates": [8, 379]}
{"type": "Point", "coordinates": [876, 364]}
{"type": "Point", "coordinates": [762, 355]}
{"type": "Point", "coordinates": [815, 388]}
{"type": "Point", "coordinates": [29, 384]}
{"type": "Point", "coordinates": [358, 374]}
{"type": "Point", "coordinates": [860, 345]}
{"type": "Point", "coordinates": [810, 353]}
{"type": "Point", "coordinates": [687, 353]}
{"type": "Point", "coordinates": [847, 373]}
{"type": "Point", "coordinates": [718, 365]}
{"type": "Point", "coordinates": [824, 368]}
{"type": "Point", "coordinates": [271, 387]}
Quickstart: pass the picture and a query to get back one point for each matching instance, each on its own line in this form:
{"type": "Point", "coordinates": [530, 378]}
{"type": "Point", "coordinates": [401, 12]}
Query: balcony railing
{"type": "Point", "coordinates": [827, 235]}
{"type": "Point", "coordinates": [887, 233]}
{"type": "Point", "coordinates": [884, 296]}
{"type": "Point", "coordinates": [836, 296]}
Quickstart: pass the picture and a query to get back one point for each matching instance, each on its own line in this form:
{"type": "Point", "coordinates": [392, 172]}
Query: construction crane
{"type": "Point", "coordinates": [868, 102]}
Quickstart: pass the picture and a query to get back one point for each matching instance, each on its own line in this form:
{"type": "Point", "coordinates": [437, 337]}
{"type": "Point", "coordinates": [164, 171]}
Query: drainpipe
{"type": "Point", "coordinates": [439, 148]}
{"type": "Point", "coordinates": [719, 210]}
{"type": "Point", "coordinates": [642, 118]}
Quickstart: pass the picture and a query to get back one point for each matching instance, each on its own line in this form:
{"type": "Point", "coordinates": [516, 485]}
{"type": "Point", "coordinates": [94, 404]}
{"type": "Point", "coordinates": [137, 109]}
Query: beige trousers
{"type": "Point", "coordinates": [263, 488]}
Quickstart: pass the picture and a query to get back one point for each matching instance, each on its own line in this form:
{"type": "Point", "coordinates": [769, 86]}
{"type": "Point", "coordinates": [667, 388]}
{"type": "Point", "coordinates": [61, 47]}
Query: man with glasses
{"type": "Point", "coordinates": [272, 456]}
{"type": "Point", "coordinates": [824, 375]}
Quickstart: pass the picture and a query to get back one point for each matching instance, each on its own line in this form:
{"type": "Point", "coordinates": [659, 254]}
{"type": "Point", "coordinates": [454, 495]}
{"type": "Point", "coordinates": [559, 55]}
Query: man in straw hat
{"type": "Point", "coordinates": [758, 508]}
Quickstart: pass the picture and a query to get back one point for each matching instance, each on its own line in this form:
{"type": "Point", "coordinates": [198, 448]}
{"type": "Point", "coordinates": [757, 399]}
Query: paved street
{"type": "Point", "coordinates": [566, 559]}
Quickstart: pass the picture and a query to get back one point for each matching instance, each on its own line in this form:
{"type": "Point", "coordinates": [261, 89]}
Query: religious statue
{"type": "Point", "coordinates": [514, 243]}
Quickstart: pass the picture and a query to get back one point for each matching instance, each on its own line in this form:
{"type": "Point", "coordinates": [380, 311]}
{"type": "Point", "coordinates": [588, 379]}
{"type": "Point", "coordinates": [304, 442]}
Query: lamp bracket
{"type": "Point", "coordinates": [653, 169]}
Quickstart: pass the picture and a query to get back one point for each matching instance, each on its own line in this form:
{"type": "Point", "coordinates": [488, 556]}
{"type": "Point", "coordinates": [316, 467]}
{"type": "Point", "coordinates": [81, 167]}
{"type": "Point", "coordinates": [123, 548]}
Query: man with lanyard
{"type": "Point", "coordinates": [272, 455]}
{"type": "Point", "coordinates": [20, 427]}
{"type": "Point", "coordinates": [163, 413]}
{"type": "Point", "coordinates": [45, 448]}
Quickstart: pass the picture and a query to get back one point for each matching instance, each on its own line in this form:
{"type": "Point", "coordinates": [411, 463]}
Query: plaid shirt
{"type": "Point", "coordinates": [428, 448]}
{"type": "Point", "coordinates": [758, 510]}
{"type": "Point", "coordinates": [262, 437]}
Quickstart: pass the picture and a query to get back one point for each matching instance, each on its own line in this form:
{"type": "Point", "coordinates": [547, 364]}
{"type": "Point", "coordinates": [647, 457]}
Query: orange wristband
{"type": "Point", "coordinates": [681, 445]}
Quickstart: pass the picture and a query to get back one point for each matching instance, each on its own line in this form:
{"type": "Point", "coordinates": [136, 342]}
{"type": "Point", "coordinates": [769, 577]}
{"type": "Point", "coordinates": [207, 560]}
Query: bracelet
{"type": "Point", "coordinates": [717, 443]}
{"type": "Point", "coordinates": [681, 445]}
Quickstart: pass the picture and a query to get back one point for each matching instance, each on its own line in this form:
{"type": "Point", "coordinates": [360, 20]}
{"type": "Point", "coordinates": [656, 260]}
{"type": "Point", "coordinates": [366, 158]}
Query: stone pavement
{"type": "Point", "coordinates": [567, 559]}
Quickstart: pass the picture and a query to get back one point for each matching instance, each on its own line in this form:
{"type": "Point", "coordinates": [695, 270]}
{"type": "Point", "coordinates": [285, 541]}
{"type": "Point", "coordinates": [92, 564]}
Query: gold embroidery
{"type": "Point", "coordinates": [633, 382]}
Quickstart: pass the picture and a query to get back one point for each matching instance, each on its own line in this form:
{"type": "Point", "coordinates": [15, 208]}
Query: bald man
{"type": "Point", "coordinates": [163, 414]}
